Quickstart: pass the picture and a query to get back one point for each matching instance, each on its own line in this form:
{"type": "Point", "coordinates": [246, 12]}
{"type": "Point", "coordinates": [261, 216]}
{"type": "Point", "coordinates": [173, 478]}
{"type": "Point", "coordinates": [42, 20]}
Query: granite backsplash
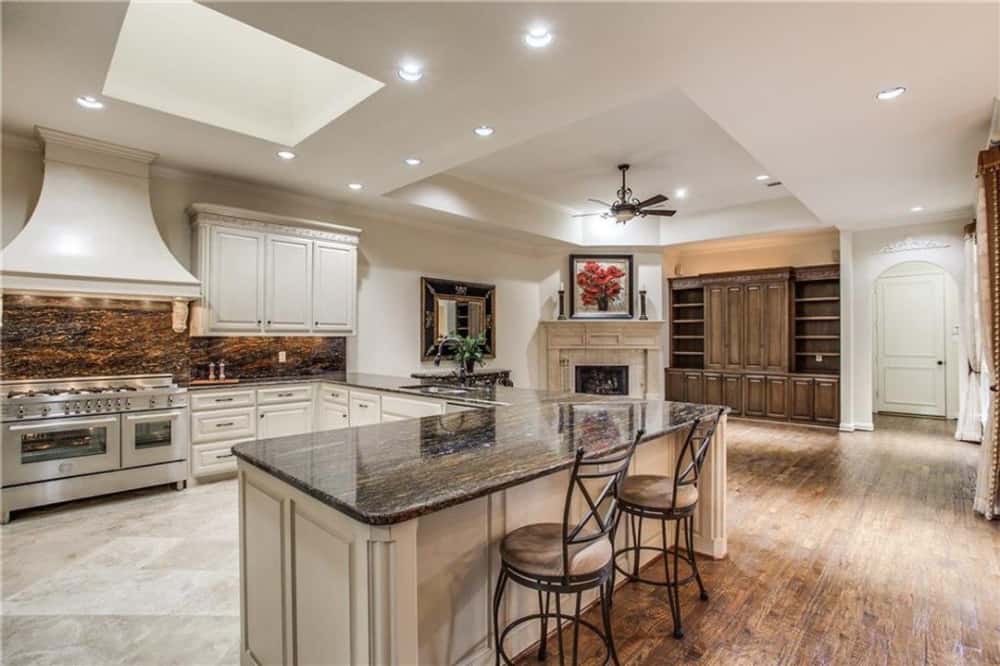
{"type": "Point", "coordinates": [46, 337]}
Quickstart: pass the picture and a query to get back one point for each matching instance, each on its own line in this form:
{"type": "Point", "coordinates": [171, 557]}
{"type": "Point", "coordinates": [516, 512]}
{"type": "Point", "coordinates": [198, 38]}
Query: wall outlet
{"type": "Point", "coordinates": [282, 357]}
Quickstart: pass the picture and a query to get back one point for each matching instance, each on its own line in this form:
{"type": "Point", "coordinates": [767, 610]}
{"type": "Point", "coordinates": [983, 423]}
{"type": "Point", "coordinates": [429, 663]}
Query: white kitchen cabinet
{"type": "Point", "coordinates": [266, 274]}
{"type": "Point", "coordinates": [334, 267]}
{"type": "Point", "coordinates": [365, 408]}
{"type": "Point", "coordinates": [235, 280]}
{"type": "Point", "coordinates": [288, 284]}
{"type": "Point", "coordinates": [397, 408]}
{"type": "Point", "coordinates": [295, 418]}
{"type": "Point", "coordinates": [332, 415]}
{"type": "Point", "coordinates": [284, 393]}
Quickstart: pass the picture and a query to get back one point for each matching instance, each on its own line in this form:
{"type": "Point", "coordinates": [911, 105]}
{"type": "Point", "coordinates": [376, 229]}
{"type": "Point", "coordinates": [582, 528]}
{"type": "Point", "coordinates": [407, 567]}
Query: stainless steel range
{"type": "Point", "coordinates": [65, 439]}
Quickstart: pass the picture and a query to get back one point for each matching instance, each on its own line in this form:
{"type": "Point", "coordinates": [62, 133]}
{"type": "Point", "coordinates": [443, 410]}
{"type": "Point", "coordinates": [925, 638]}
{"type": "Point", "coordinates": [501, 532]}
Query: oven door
{"type": "Point", "coordinates": [149, 438]}
{"type": "Point", "coordinates": [55, 449]}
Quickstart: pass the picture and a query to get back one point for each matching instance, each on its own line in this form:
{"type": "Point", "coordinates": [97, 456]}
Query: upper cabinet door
{"type": "Point", "coordinates": [334, 286]}
{"type": "Point", "coordinates": [715, 328]}
{"type": "Point", "coordinates": [236, 279]}
{"type": "Point", "coordinates": [776, 325]}
{"type": "Point", "coordinates": [753, 334]}
{"type": "Point", "coordinates": [734, 327]}
{"type": "Point", "coordinates": [288, 294]}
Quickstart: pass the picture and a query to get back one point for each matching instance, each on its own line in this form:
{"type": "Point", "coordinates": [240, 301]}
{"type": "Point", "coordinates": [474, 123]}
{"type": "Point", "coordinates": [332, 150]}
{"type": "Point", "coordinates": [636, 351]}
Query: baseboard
{"type": "Point", "coordinates": [867, 427]}
{"type": "Point", "coordinates": [846, 427]}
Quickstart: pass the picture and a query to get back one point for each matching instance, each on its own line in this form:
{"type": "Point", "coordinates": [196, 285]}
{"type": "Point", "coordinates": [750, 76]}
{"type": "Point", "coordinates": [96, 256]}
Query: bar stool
{"type": "Point", "coordinates": [668, 499]}
{"type": "Point", "coordinates": [567, 557]}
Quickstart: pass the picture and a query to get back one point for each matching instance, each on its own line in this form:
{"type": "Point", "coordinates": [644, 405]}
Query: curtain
{"type": "Point", "coordinates": [970, 413]}
{"type": "Point", "coordinates": [987, 501]}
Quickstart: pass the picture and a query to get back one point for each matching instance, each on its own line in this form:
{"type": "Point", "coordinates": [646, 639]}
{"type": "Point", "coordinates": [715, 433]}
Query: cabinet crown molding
{"type": "Point", "coordinates": [201, 213]}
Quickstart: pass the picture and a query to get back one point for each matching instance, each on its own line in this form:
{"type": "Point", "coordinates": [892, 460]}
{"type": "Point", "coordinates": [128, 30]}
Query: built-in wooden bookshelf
{"type": "Point", "coordinates": [687, 328]}
{"type": "Point", "coordinates": [816, 308]}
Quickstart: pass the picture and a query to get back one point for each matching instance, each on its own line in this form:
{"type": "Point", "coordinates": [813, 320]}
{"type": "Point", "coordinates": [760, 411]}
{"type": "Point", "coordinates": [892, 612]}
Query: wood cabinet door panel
{"type": "Point", "coordinates": [733, 393]}
{"type": "Point", "coordinates": [236, 279]}
{"type": "Point", "coordinates": [288, 284]}
{"type": "Point", "coordinates": [713, 388]}
{"type": "Point", "coordinates": [693, 391]}
{"type": "Point", "coordinates": [753, 328]}
{"type": "Point", "coordinates": [776, 323]}
{"type": "Point", "coordinates": [826, 401]}
{"type": "Point", "coordinates": [334, 287]}
{"type": "Point", "coordinates": [753, 403]}
{"type": "Point", "coordinates": [777, 397]}
{"type": "Point", "coordinates": [675, 385]}
{"type": "Point", "coordinates": [734, 328]}
{"type": "Point", "coordinates": [801, 407]}
{"type": "Point", "coordinates": [715, 328]}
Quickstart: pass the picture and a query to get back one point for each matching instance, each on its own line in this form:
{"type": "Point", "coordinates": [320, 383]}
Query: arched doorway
{"type": "Point", "coordinates": [916, 340]}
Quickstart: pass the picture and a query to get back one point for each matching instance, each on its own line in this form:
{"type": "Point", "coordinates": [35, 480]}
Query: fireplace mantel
{"type": "Point", "coordinates": [632, 342]}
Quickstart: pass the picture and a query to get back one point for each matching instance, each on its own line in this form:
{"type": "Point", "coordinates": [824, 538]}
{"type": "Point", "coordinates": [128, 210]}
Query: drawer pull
{"type": "Point", "coordinates": [225, 455]}
{"type": "Point", "coordinates": [227, 424]}
{"type": "Point", "coordinates": [223, 399]}
{"type": "Point", "coordinates": [363, 405]}
{"type": "Point", "coordinates": [286, 395]}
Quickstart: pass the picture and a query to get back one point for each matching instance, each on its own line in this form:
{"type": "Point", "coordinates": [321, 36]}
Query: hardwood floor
{"type": "Point", "coordinates": [856, 548]}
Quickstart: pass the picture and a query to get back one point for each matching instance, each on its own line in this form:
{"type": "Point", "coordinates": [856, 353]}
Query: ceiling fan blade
{"type": "Point", "coordinates": [603, 203]}
{"type": "Point", "coordinates": [652, 201]}
{"type": "Point", "coordinates": [596, 212]}
{"type": "Point", "coordinates": [660, 211]}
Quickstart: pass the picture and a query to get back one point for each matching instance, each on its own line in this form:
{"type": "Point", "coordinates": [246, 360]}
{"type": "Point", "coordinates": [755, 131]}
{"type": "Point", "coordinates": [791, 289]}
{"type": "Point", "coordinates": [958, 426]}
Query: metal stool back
{"type": "Point", "coordinates": [598, 521]}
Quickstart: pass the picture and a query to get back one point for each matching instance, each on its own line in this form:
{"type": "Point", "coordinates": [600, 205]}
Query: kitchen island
{"type": "Point", "coordinates": [378, 544]}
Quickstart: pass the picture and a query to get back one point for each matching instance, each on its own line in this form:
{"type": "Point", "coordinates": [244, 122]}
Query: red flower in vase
{"type": "Point", "coordinates": [599, 285]}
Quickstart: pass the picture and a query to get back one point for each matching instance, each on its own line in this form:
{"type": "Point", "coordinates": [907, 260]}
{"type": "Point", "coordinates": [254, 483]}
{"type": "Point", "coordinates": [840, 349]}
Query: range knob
{"type": "Point", "coordinates": [118, 403]}
{"type": "Point", "coordinates": [45, 411]}
{"type": "Point", "coordinates": [76, 405]}
{"type": "Point", "coordinates": [20, 412]}
{"type": "Point", "coordinates": [152, 402]}
{"type": "Point", "coordinates": [86, 406]}
{"type": "Point", "coordinates": [128, 403]}
{"type": "Point", "coordinates": [170, 399]}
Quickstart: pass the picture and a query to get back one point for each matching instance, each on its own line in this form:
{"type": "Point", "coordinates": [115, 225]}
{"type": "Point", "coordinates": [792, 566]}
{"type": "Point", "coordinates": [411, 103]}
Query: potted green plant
{"type": "Point", "coordinates": [469, 351]}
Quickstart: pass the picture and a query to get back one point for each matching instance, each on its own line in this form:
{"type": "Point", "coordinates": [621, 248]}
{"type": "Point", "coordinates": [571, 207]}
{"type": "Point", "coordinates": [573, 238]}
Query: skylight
{"type": "Point", "coordinates": [191, 61]}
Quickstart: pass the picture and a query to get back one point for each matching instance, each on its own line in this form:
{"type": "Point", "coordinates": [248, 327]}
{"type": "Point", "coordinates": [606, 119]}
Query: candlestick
{"type": "Point", "coordinates": [562, 286]}
{"type": "Point", "coordinates": [642, 305]}
{"type": "Point", "coordinates": [562, 305]}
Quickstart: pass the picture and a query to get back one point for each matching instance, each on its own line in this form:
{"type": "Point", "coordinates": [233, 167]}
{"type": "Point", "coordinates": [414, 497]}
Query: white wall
{"type": "Point", "coordinates": [865, 265]}
{"type": "Point", "coordinates": [392, 258]}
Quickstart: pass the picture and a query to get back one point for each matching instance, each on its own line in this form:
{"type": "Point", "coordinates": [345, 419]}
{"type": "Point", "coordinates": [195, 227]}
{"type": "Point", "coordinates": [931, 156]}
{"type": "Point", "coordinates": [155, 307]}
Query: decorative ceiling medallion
{"type": "Point", "coordinates": [909, 244]}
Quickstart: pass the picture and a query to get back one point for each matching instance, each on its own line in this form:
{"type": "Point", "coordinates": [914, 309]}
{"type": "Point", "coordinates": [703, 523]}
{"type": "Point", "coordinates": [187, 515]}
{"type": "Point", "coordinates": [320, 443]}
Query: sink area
{"type": "Point", "coordinates": [437, 389]}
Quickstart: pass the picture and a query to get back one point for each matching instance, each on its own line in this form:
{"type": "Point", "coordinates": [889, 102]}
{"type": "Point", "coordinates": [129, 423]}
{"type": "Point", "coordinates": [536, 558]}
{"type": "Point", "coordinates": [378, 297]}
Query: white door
{"type": "Point", "coordinates": [294, 418]}
{"type": "Point", "coordinates": [365, 408]}
{"type": "Point", "coordinates": [910, 344]}
{"type": "Point", "coordinates": [288, 292]}
{"type": "Point", "coordinates": [236, 279]}
{"type": "Point", "coordinates": [332, 416]}
{"type": "Point", "coordinates": [334, 284]}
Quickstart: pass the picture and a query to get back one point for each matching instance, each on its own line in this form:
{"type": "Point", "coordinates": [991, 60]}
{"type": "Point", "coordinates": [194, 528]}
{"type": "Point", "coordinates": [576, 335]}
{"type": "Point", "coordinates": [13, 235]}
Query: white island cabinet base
{"type": "Point", "coordinates": [319, 587]}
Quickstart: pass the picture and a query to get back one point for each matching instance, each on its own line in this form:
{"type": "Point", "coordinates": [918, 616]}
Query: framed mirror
{"type": "Point", "coordinates": [459, 308]}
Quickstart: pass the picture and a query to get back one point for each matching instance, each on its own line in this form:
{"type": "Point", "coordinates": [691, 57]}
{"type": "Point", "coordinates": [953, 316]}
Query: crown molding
{"type": "Point", "coordinates": [59, 138]}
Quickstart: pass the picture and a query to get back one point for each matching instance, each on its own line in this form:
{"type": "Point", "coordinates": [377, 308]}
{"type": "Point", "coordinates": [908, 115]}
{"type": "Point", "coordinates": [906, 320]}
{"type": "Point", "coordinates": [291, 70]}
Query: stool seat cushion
{"type": "Point", "coordinates": [537, 550]}
{"type": "Point", "coordinates": [656, 492]}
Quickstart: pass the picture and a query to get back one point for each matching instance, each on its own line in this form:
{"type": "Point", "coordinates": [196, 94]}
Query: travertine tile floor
{"type": "Point", "coordinates": [144, 578]}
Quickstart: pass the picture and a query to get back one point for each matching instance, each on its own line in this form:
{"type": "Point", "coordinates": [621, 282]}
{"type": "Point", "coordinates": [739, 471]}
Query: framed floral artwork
{"type": "Point", "coordinates": [602, 286]}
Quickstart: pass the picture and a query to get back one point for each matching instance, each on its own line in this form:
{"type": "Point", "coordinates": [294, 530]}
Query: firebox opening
{"type": "Point", "coordinates": [602, 379]}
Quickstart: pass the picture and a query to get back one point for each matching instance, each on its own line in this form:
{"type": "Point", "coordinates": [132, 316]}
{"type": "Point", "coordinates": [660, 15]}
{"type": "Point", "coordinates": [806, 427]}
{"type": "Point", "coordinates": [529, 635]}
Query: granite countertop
{"type": "Point", "coordinates": [392, 472]}
{"type": "Point", "coordinates": [473, 395]}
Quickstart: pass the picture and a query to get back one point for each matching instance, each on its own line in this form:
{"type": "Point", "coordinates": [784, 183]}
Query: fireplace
{"type": "Point", "coordinates": [602, 379]}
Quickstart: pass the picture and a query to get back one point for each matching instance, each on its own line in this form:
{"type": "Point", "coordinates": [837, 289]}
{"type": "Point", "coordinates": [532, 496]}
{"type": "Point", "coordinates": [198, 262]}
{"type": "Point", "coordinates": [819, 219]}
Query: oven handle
{"type": "Point", "coordinates": [152, 414]}
{"type": "Point", "coordinates": [59, 425]}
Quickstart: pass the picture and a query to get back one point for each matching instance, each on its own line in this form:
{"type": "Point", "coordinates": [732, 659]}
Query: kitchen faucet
{"type": "Point", "coordinates": [446, 340]}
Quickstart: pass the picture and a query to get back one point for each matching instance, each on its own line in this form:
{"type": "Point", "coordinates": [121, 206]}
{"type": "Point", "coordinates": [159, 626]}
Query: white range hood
{"type": "Point", "coordinates": [92, 232]}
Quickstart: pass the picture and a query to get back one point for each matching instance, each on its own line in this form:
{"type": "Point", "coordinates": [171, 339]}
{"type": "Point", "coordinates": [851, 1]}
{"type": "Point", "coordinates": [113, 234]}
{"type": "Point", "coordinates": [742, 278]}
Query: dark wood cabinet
{"type": "Point", "coordinates": [826, 401]}
{"type": "Point", "coordinates": [732, 393]}
{"type": "Point", "coordinates": [753, 327]}
{"type": "Point", "coordinates": [675, 385]}
{"type": "Point", "coordinates": [753, 395]}
{"type": "Point", "coordinates": [733, 329]}
{"type": "Point", "coordinates": [693, 387]}
{"type": "Point", "coordinates": [775, 315]}
{"type": "Point", "coordinates": [801, 403]}
{"type": "Point", "coordinates": [715, 328]}
{"type": "Point", "coordinates": [712, 384]}
{"type": "Point", "coordinates": [777, 397]}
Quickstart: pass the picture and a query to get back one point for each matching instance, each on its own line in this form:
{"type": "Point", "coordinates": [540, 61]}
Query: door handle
{"type": "Point", "coordinates": [940, 362]}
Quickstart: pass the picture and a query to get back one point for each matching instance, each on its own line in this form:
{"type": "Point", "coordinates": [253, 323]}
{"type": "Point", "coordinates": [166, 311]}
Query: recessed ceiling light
{"type": "Point", "coordinates": [538, 36]}
{"type": "Point", "coordinates": [411, 71]}
{"type": "Point", "coordinates": [484, 130]}
{"type": "Point", "coordinates": [680, 192]}
{"type": "Point", "coordinates": [414, 161]}
{"type": "Point", "coordinates": [286, 154]}
{"type": "Point", "coordinates": [916, 209]}
{"type": "Point", "coordinates": [889, 93]}
{"type": "Point", "coordinates": [355, 186]}
{"type": "Point", "coordinates": [88, 102]}
{"type": "Point", "coordinates": [762, 176]}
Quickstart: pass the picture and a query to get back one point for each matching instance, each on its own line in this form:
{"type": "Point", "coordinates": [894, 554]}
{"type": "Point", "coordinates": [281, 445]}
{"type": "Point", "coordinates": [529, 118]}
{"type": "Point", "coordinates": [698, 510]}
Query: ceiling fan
{"type": "Point", "coordinates": [627, 207]}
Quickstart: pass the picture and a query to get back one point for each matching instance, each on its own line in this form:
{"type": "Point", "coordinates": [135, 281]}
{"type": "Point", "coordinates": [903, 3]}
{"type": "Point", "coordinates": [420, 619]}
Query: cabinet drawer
{"type": "Point", "coordinates": [220, 399]}
{"type": "Point", "coordinates": [365, 408]}
{"type": "Point", "coordinates": [209, 459]}
{"type": "Point", "coordinates": [223, 424]}
{"type": "Point", "coordinates": [408, 407]}
{"type": "Point", "coordinates": [276, 394]}
{"type": "Point", "coordinates": [334, 393]}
